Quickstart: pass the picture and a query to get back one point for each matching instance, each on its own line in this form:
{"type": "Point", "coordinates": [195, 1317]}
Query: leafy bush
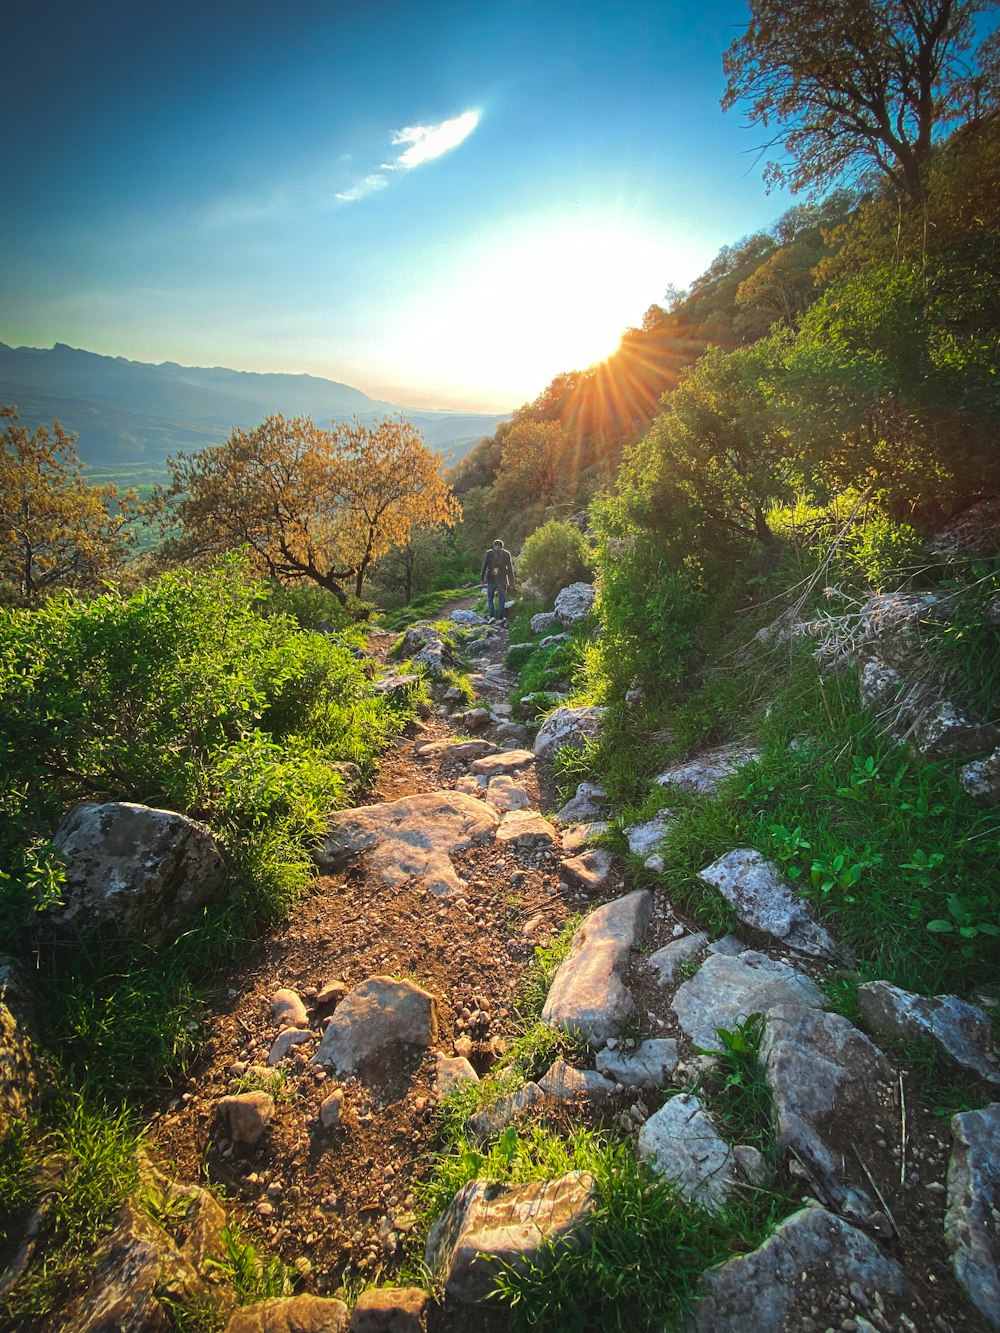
{"type": "Point", "coordinates": [554, 556]}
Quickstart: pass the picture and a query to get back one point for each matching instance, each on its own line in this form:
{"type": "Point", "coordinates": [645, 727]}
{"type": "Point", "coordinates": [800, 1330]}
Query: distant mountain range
{"type": "Point", "coordinates": [128, 415]}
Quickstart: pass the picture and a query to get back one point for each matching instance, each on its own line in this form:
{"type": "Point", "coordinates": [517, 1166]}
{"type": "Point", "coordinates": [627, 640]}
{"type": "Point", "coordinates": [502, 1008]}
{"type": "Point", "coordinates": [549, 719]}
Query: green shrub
{"type": "Point", "coordinates": [554, 556]}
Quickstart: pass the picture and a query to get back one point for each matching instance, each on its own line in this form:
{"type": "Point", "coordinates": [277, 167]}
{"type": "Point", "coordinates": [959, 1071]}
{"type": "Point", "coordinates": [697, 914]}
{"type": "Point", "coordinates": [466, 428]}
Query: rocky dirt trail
{"type": "Point", "coordinates": [334, 1195]}
{"type": "Point", "coordinates": [316, 1104]}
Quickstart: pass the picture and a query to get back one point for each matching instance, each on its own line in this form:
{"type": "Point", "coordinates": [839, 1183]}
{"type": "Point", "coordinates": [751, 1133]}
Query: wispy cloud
{"type": "Point", "coordinates": [370, 185]}
{"type": "Point", "coordinates": [423, 143]}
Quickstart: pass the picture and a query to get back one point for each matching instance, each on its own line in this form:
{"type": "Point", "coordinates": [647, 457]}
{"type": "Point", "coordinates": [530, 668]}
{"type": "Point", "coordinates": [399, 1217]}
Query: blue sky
{"type": "Point", "coordinates": [443, 204]}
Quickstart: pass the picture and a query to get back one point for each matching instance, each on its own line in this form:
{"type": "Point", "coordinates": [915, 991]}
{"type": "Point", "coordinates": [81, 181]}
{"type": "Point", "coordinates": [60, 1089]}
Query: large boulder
{"type": "Point", "coordinates": [411, 837]}
{"type": "Point", "coordinates": [970, 1225]}
{"type": "Point", "coordinates": [765, 901]}
{"type": "Point", "coordinates": [728, 988]}
{"type": "Point", "coordinates": [490, 1227]}
{"type": "Point", "coordinates": [144, 869]}
{"type": "Point", "coordinates": [373, 1021]}
{"type": "Point", "coordinates": [572, 727]}
{"type": "Point", "coordinates": [574, 603]}
{"type": "Point", "coordinates": [827, 1079]}
{"type": "Point", "coordinates": [588, 995]}
{"type": "Point", "coordinates": [813, 1258]}
{"type": "Point", "coordinates": [962, 1032]}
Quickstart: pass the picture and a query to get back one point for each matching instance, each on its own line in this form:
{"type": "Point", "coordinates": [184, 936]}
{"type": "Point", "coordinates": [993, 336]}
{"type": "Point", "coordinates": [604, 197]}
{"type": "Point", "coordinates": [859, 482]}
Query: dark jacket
{"type": "Point", "coordinates": [497, 568]}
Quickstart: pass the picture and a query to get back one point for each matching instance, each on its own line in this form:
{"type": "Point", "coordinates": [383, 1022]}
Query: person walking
{"type": "Point", "coordinates": [498, 576]}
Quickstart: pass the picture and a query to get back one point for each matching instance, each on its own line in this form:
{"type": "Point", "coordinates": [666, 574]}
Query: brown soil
{"type": "Point", "coordinates": [338, 1204]}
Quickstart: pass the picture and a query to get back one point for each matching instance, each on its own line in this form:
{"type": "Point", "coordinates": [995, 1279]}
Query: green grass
{"type": "Point", "coordinates": [425, 607]}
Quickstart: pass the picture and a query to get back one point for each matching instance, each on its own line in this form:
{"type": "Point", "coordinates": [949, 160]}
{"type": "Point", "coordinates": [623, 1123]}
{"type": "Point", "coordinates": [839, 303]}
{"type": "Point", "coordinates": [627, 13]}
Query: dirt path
{"type": "Point", "coordinates": [338, 1204]}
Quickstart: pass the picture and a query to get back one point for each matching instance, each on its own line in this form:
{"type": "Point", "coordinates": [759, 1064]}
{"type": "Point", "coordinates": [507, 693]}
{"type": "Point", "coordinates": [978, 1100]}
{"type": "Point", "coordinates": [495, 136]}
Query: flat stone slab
{"type": "Point", "coordinates": [703, 774]}
{"type": "Point", "coordinates": [589, 871]}
{"type": "Point", "coordinates": [504, 761]}
{"type": "Point", "coordinates": [397, 683]}
{"type": "Point", "coordinates": [680, 1143]}
{"type": "Point", "coordinates": [391, 1310]}
{"type": "Point", "coordinates": [765, 901]}
{"type": "Point", "coordinates": [827, 1079]}
{"type": "Point", "coordinates": [566, 1084]}
{"type": "Point", "coordinates": [664, 961]}
{"type": "Point", "coordinates": [372, 1021]}
{"type": "Point", "coordinates": [410, 838]}
{"type": "Point", "coordinates": [489, 1227]}
{"type": "Point", "coordinates": [503, 793]}
{"type": "Point", "coordinates": [728, 988]}
{"type": "Point", "coordinates": [568, 727]}
{"type": "Point", "coordinates": [970, 1225]}
{"type": "Point", "coordinates": [962, 1031]}
{"type": "Point", "coordinates": [527, 830]}
{"type": "Point", "coordinates": [812, 1253]}
{"type": "Point", "coordinates": [455, 752]}
{"type": "Point", "coordinates": [650, 1065]}
{"type": "Point", "coordinates": [587, 995]}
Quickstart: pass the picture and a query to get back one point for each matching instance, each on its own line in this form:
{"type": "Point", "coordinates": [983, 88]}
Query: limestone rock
{"type": "Point", "coordinates": [489, 1122]}
{"type": "Point", "coordinates": [587, 995]}
{"type": "Point", "coordinates": [553, 641]}
{"type": "Point", "coordinates": [489, 1226]}
{"type": "Point", "coordinates": [463, 616]}
{"type": "Point", "coordinates": [566, 1084]}
{"type": "Point", "coordinates": [140, 1271]}
{"type": "Point", "coordinates": [588, 803]}
{"type": "Point", "coordinates": [451, 1072]}
{"type": "Point", "coordinates": [567, 727]}
{"type": "Point", "coordinates": [826, 1079]}
{"type": "Point", "coordinates": [503, 793]}
{"type": "Point", "coordinates": [664, 961]}
{"type": "Point", "coordinates": [963, 1031]}
{"type": "Point", "coordinates": [703, 774]}
{"type": "Point", "coordinates": [291, 1314]}
{"type": "Point", "coordinates": [527, 830]}
{"type": "Point", "coordinates": [373, 1020]}
{"type": "Point", "coordinates": [589, 871]}
{"type": "Point", "coordinates": [680, 1142]}
{"type": "Point", "coordinates": [410, 837]}
{"type": "Point", "coordinates": [475, 719]}
{"type": "Point", "coordinates": [455, 752]}
{"type": "Point", "coordinates": [970, 1226]}
{"type": "Point", "coordinates": [396, 685]}
{"type": "Point", "coordinates": [981, 779]}
{"type": "Point", "coordinates": [576, 838]}
{"type": "Point", "coordinates": [574, 603]}
{"type": "Point", "coordinates": [391, 1310]}
{"type": "Point", "coordinates": [650, 1065]}
{"type": "Point", "coordinates": [764, 901]}
{"type": "Point", "coordinates": [770, 1289]}
{"type": "Point", "coordinates": [946, 731]}
{"type": "Point", "coordinates": [331, 1108]}
{"type": "Point", "coordinates": [249, 1114]}
{"type": "Point", "coordinates": [284, 1042]}
{"type": "Point", "coordinates": [506, 761]}
{"type": "Point", "coordinates": [544, 622]}
{"type": "Point", "coordinates": [728, 988]}
{"type": "Point", "coordinates": [20, 1084]}
{"type": "Point", "coordinates": [643, 839]}
{"type": "Point", "coordinates": [287, 1009]}
{"type": "Point", "coordinates": [142, 868]}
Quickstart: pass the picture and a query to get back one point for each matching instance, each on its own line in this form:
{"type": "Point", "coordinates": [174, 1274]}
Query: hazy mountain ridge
{"type": "Point", "coordinates": [127, 412]}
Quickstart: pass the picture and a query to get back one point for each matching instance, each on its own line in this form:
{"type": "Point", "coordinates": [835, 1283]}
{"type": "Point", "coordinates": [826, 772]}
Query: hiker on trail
{"type": "Point", "coordinates": [498, 575]}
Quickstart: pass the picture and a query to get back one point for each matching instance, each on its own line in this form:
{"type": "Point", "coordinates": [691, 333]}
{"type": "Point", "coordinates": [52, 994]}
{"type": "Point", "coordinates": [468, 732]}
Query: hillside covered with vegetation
{"type": "Point", "coordinates": [813, 425]}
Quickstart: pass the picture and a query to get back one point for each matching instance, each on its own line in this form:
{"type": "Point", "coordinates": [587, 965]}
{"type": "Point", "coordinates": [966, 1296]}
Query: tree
{"type": "Point", "coordinates": [847, 85]}
{"type": "Point", "coordinates": [308, 503]}
{"type": "Point", "coordinates": [56, 529]}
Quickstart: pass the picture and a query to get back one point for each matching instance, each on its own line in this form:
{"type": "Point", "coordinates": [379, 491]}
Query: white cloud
{"type": "Point", "coordinates": [430, 141]}
{"type": "Point", "coordinates": [424, 144]}
{"type": "Point", "coordinates": [370, 185]}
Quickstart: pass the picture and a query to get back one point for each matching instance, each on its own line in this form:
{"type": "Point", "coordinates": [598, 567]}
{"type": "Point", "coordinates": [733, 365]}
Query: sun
{"type": "Point", "coordinates": [549, 298]}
